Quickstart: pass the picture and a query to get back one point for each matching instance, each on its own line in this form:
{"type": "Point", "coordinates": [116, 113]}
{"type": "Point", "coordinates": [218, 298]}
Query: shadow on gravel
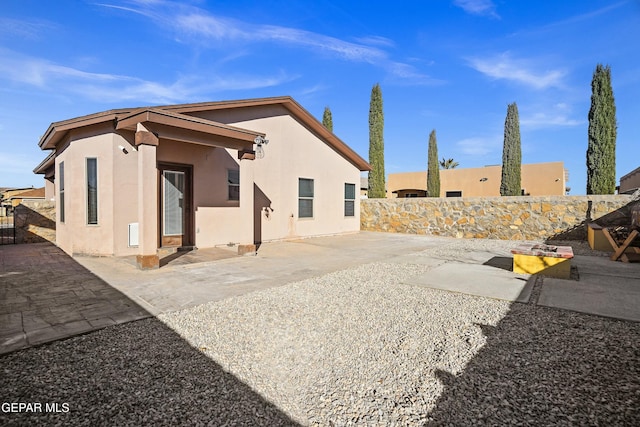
{"type": "Point", "coordinates": [135, 373]}
{"type": "Point", "coordinates": [139, 373]}
{"type": "Point", "coordinates": [542, 366]}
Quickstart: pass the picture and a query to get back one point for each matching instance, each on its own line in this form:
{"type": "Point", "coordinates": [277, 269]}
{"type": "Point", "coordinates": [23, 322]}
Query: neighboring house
{"type": "Point", "coordinates": [538, 179]}
{"type": "Point", "coordinates": [13, 197]}
{"type": "Point", "coordinates": [131, 181]}
{"type": "Point", "coordinates": [630, 182]}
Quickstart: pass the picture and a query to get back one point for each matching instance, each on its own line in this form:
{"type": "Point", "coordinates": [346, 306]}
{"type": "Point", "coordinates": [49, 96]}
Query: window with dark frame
{"type": "Point", "coordinates": [92, 191]}
{"type": "Point", "coordinates": [61, 190]}
{"type": "Point", "coordinates": [233, 180]}
{"type": "Point", "coordinates": [349, 199]}
{"type": "Point", "coordinates": [305, 198]}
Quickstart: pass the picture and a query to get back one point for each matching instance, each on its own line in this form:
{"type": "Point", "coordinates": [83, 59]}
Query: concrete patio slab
{"type": "Point", "coordinates": [478, 280]}
{"type": "Point", "coordinates": [46, 295]}
{"type": "Point", "coordinates": [605, 288]}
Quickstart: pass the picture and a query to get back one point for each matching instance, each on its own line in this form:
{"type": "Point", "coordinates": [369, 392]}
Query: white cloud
{"type": "Point", "coordinates": [204, 27]}
{"type": "Point", "coordinates": [479, 146]}
{"type": "Point", "coordinates": [478, 7]}
{"type": "Point", "coordinates": [522, 71]}
{"type": "Point", "coordinates": [544, 120]}
{"type": "Point", "coordinates": [44, 74]}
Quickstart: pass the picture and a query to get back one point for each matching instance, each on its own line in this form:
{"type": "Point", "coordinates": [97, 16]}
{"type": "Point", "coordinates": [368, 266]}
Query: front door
{"type": "Point", "coordinates": [175, 205]}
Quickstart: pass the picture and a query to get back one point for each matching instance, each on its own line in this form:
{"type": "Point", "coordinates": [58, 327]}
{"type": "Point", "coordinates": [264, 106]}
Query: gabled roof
{"type": "Point", "coordinates": [179, 115]}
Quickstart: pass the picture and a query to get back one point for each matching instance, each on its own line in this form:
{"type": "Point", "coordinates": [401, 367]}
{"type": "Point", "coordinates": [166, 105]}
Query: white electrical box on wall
{"type": "Point", "coordinates": [133, 234]}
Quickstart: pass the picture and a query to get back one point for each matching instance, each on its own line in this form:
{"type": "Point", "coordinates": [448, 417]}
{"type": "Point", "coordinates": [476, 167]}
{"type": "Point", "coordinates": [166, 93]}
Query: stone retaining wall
{"type": "Point", "coordinates": [507, 218]}
{"type": "Point", "coordinates": [35, 222]}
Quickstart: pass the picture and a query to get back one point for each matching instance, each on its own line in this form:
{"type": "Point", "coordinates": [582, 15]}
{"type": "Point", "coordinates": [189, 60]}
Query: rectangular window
{"type": "Point", "coordinates": [349, 199]}
{"type": "Point", "coordinates": [92, 191]}
{"type": "Point", "coordinates": [305, 198]}
{"type": "Point", "coordinates": [453, 194]}
{"type": "Point", "coordinates": [233, 180]}
{"type": "Point", "coordinates": [61, 190]}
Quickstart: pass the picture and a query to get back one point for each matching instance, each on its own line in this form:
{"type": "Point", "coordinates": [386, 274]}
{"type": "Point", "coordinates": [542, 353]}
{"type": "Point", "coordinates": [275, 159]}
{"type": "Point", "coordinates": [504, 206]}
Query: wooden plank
{"type": "Point", "coordinates": [620, 250]}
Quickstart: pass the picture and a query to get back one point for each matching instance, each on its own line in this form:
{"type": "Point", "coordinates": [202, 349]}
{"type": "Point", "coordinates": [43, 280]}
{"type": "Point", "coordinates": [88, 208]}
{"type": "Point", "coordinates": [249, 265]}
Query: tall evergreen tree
{"type": "Point", "coordinates": [433, 170]}
{"type": "Point", "coordinates": [510, 184]}
{"type": "Point", "coordinates": [376, 145]}
{"type": "Point", "coordinates": [601, 150]}
{"type": "Point", "coordinates": [327, 120]}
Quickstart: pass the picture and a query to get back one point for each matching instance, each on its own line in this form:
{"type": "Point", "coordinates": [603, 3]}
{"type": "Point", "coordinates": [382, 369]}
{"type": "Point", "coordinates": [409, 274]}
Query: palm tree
{"type": "Point", "coordinates": [448, 163]}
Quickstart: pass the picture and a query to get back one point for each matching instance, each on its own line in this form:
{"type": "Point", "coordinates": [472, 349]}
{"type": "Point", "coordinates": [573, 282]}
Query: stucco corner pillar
{"type": "Point", "coordinates": [147, 257]}
{"type": "Point", "coordinates": [247, 244]}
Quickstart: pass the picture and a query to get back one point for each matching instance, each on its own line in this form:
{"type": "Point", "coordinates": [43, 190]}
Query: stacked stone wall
{"type": "Point", "coordinates": [35, 222]}
{"type": "Point", "coordinates": [507, 218]}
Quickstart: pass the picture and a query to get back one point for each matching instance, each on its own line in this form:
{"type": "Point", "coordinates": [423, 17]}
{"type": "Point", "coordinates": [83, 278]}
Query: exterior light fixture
{"type": "Point", "coordinates": [483, 179]}
{"type": "Point", "coordinates": [260, 141]}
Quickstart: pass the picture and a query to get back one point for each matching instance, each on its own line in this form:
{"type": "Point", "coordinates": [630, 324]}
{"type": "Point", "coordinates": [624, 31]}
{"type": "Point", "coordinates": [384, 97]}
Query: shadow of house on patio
{"type": "Point", "coordinates": [544, 366]}
{"type": "Point", "coordinates": [89, 367]}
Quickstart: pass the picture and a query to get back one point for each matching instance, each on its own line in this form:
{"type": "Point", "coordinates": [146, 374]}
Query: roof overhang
{"type": "Point", "coordinates": [46, 164]}
{"type": "Point", "coordinates": [175, 122]}
{"type": "Point", "coordinates": [184, 128]}
{"type": "Point", "coordinates": [295, 109]}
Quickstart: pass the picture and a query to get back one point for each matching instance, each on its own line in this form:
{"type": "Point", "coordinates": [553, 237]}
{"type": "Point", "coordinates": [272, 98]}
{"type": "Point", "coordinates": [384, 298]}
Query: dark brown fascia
{"type": "Point", "coordinates": [183, 121]}
{"type": "Point", "coordinates": [57, 130]}
{"type": "Point", "coordinates": [45, 164]}
{"type": "Point", "coordinates": [290, 104]}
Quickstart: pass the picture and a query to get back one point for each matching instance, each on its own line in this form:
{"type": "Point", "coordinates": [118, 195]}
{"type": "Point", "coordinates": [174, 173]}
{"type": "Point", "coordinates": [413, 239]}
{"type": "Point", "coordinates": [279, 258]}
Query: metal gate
{"type": "Point", "coordinates": [7, 230]}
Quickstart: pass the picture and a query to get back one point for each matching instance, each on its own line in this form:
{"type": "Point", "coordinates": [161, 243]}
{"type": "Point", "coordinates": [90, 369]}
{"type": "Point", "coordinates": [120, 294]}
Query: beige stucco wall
{"type": "Point", "coordinates": [293, 152]}
{"type": "Point", "coordinates": [630, 181]}
{"type": "Point", "coordinates": [116, 178]}
{"type": "Point", "coordinates": [538, 179]}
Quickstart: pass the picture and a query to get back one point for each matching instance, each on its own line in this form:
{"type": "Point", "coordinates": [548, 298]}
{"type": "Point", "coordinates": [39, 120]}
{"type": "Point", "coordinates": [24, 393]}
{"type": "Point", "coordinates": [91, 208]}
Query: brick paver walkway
{"type": "Point", "coordinates": [45, 295]}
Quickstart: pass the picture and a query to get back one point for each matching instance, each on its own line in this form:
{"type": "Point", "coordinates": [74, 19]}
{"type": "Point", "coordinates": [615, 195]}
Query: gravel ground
{"type": "Point", "coordinates": [354, 347]}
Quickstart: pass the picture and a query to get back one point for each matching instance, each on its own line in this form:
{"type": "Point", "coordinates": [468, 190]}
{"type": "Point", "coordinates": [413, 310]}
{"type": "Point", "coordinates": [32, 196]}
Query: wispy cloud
{"type": "Point", "coordinates": [31, 30]}
{"type": "Point", "coordinates": [478, 7]}
{"type": "Point", "coordinates": [526, 72]}
{"type": "Point", "coordinates": [205, 28]}
{"type": "Point", "coordinates": [43, 74]}
{"type": "Point", "coordinates": [566, 23]}
{"type": "Point", "coordinates": [480, 146]}
{"type": "Point", "coordinates": [558, 115]}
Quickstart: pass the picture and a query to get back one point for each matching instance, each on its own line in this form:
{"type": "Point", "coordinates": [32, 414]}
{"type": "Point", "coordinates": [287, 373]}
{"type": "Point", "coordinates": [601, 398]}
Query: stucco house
{"type": "Point", "coordinates": [132, 181]}
{"type": "Point", "coordinates": [538, 179]}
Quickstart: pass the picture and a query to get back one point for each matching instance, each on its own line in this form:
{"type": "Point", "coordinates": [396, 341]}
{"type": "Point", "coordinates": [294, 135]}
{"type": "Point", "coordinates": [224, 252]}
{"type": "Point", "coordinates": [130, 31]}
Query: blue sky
{"type": "Point", "coordinates": [452, 66]}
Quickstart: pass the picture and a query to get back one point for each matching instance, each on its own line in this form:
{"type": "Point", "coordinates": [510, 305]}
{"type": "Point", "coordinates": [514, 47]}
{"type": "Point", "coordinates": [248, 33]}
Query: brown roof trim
{"type": "Point", "coordinates": [58, 130]}
{"type": "Point", "coordinates": [46, 163]}
{"type": "Point", "coordinates": [296, 109]}
{"type": "Point", "coordinates": [633, 172]}
{"type": "Point", "coordinates": [163, 117]}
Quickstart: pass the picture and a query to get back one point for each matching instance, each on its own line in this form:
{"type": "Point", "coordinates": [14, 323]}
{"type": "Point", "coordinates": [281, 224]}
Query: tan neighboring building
{"type": "Point", "coordinates": [630, 182]}
{"type": "Point", "coordinates": [132, 181]}
{"type": "Point", "coordinates": [538, 179]}
{"type": "Point", "coordinates": [13, 197]}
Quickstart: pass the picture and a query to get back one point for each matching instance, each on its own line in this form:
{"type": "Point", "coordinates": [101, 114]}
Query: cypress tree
{"type": "Point", "coordinates": [376, 145]}
{"type": "Point", "coordinates": [327, 120]}
{"type": "Point", "coordinates": [510, 184]}
{"type": "Point", "coordinates": [601, 150]}
{"type": "Point", "coordinates": [433, 170]}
